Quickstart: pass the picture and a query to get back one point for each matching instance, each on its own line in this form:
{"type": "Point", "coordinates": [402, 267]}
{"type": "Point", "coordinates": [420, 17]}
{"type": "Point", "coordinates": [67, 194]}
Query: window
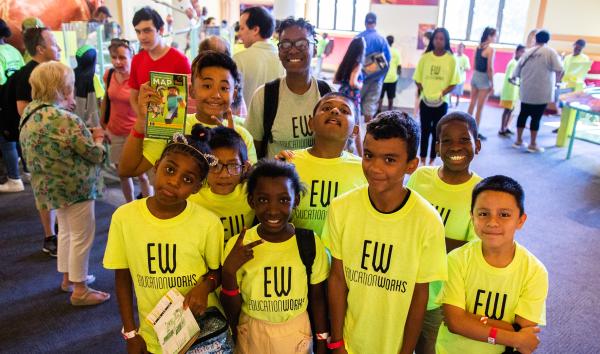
{"type": "Point", "coordinates": [340, 15]}
{"type": "Point", "coordinates": [466, 19]}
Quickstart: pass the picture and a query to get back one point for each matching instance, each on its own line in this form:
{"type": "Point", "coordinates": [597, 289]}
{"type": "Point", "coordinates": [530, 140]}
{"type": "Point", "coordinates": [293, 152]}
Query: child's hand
{"type": "Point", "coordinates": [228, 115]}
{"type": "Point", "coordinates": [285, 155]}
{"type": "Point", "coordinates": [321, 347]}
{"type": "Point", "coordinates": [239, 255]}
{"type": "Point", "coordinates": [528, 340]}
{"type": "Point", "coordinates": [197, 299]}
{"type": "Point", "coordinates": [147, 95]}
{"type": "Point", "coordinates": [340, 350]}
{"type": "Point", "coordinates": [136, 345]}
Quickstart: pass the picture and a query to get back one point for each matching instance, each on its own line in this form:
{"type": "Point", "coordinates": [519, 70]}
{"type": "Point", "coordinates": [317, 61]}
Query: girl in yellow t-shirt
{"type": "Point", "coordinates": [266, 289]}
{"type": "Point", "coordinates": [496, 291]}
{"type": "Point", "coordinates": [225, 191]}
{"type": "Point", "coordinates": [163, 242]}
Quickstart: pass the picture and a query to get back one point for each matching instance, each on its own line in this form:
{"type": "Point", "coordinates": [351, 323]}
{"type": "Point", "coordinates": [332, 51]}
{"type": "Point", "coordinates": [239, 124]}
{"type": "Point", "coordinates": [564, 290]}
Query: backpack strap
{"type": "Point", "coordinates": [271, 103]}
{"type": "Point", "coordinates": [30, 114]}
{"type": "Point", "coordinates": [106, 117]}
{"type": "Point", "coordinates": [307, 248]}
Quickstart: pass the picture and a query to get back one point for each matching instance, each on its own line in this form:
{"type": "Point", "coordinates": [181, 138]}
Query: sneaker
{"type": "Point", "coordinates": [50, 246]}
{"type": "Point", "coordinates": [535, 149]}
{"type": "Point", "coordinates": [502, 133]}
{"type": "Point", "coordinates": [481, 137]}
{"type": "Point", "coordinates": [26, 177]}
{"type": "Point", "coordinates": [509, 132]}
{"type": "Point", "coordinates": [517, 145]}
{"type": "Point", "coordinates": [12, 185]}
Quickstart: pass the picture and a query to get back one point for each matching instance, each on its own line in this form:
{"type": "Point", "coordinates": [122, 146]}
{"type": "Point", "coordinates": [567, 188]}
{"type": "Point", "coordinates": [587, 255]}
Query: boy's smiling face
{"type": "Point", "coordinates": [457, 146]}
{"type": "Point", "coordinates": [214, 90]}
{"type": "Point", "coordinates": [496, 218]}
{"type": "Point", "coordinates": [385, 163]}
{"type": "Point", "coordinates": [334, 119]}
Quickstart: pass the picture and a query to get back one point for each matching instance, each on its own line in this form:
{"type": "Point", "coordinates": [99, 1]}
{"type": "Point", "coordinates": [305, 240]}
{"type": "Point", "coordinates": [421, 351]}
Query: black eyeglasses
{"type": "Point", "coordinates": [234, 169]}
{"type": "Point", "coordinates": [300, 44]}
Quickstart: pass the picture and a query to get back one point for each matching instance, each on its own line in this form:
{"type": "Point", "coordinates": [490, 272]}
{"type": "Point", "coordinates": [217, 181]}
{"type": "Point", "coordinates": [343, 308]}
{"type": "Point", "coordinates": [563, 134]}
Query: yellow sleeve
{"type": "Point", "coordinates": [320, 268]}
{"type": "Point", "coordinates": [432, 263]}
{"type": "Point", "coordinates": [453, 290]}
{"type": "Point", "coordinates": [114, 255]}
{"type": "Point", "coordinates": [471, 235]}
{"type": "Point", "coordinates": [418, 75]}
{"type": "Point", "coordinates": [413, 179]}
{"type": "Point", "coordinates": [213, 248]}
{"type": "Point", "coordinates": [98, 87]}
{"type": "Point", "coordinates": [532, 301]}
{"type": "Point", "coordinates": [331, 238]}
{"type": "Point", "coordinates": [455, 76]}
{"type": "Point", "coordinates": [153, 149]}
{"type": "Point", "coordinates": [249, 140]}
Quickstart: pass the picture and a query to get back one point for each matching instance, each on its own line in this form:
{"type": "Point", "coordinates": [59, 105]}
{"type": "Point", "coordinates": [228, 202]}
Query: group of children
{"type": "Point", "coordinates": [377, 278]}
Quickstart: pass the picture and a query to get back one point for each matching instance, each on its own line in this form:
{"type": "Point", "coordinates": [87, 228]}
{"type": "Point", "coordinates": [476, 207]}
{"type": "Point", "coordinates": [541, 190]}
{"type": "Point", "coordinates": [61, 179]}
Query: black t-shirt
{"type": "Point", "coordinates": [23, 88]}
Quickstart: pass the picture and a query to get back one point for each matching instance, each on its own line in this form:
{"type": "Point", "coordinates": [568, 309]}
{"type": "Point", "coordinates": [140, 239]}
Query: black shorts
{"type": "Point", "coordinates": [390, 89]}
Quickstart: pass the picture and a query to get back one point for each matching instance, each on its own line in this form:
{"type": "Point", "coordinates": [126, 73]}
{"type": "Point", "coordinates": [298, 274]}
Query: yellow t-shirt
{"type": "Point", "coordinates": [273, 284]}
{"type": "Point", "coordinates": [163, 254]}
{"type": "Point", "coordinates": [232, 209]}
{"type": "Point", "coordinates": [576, 68]}
{"type": "Point", "coordinates": [473, 285]}
{"type": "Point", "coordinates": [153, 148]}
{"type": "Point", "coordinates": [435, 74]}
{"type": "Point", "coordinates": [325, 179]}
{"type": "Point", "coordinates": [453, 202]}
{"type": "Point", "coordinates": [384, 255]}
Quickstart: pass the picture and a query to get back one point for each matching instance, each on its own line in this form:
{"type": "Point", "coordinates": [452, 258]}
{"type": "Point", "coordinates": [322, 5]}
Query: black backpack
{"type": "Point", "coordinates": [270, 111]}
{"type": "Point", "coordinates": [9, 115]}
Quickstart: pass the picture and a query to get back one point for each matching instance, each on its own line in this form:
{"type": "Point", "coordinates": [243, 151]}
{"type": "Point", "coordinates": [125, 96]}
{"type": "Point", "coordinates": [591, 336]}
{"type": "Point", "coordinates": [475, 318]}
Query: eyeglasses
{"type": "Point", "coordinates": [233, 169]}
{"type": "Point", "coordinates": [300, 44]}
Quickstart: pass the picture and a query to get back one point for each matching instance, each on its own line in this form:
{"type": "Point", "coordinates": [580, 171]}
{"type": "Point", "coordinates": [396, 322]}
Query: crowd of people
{"type": "Point", "coordinates": [230, 204]}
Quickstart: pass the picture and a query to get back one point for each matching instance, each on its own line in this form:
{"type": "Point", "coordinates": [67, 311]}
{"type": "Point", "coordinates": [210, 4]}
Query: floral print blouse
{"type": "Point", "coordinates": [61, 155]}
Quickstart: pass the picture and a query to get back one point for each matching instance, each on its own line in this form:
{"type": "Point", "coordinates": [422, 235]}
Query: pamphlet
{"type": "Point", "coordinates": [168, 117]}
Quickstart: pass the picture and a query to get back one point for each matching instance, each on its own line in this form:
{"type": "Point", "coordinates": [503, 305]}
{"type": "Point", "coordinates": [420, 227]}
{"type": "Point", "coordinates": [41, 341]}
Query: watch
{"type": "Point", "coordinates": [128, 335]}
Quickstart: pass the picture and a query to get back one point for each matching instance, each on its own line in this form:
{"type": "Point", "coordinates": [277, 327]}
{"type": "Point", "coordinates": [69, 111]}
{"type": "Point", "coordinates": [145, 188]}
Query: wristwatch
{"type": "Point", "coordinates": [128, 335]}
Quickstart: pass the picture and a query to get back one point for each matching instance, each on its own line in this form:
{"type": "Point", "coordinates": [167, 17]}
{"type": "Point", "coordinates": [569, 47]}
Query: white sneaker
{"type": "Point", "coordinates": [12, 185]}
{"type": "Point", "coordinates": [535, 149]}
{"type": "Point", "coordinates": [26, 177]}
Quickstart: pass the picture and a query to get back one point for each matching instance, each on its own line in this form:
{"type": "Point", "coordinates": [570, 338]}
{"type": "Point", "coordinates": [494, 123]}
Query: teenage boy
{"type": "Point", "coordinates": [326, 168]}
{"type": "Point", "coordinates": [154, 55]}
{"type": "Point", "coordinates": [448, 188]}
{"type": "Point", "coordinates": [386, 243]}
{"type": "Point", "coordinates": [496, 291]}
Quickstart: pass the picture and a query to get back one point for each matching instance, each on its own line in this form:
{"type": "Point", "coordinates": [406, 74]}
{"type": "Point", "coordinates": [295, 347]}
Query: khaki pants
{"type": "Point", "coordinates": [262, 337]}
{"type": "Point", "coordinates": [431, 325]}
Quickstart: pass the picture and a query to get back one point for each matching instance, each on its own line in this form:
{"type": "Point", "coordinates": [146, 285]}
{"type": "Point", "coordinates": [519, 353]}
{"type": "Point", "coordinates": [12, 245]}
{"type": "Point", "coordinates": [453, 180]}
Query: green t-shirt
{"type": "Point", "coordinates": [453, 202]}
{"type": "Point", "coordinates": [321, 45]}
{"type": "Point", "coordinates": [475, 286]}
{"type": "Point", "coordinates": [510, 92]}
{"type": "Point", "coordinates": [464, 65]}
{"type": "Point", "coordinates": [10, 61]}
{"type": "Point", "coordinates": [325, 179]}
{"type": "Point", "coordinates": [392, 73]}
{"type": "Point", "coordinates": [435, 74]}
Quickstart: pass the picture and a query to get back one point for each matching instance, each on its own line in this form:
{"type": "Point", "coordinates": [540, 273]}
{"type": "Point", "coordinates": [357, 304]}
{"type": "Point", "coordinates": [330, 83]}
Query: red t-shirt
{"type": "Point", "coordinates": [142, 64]}
{"type": "Point", "coordinates": [122, 116]}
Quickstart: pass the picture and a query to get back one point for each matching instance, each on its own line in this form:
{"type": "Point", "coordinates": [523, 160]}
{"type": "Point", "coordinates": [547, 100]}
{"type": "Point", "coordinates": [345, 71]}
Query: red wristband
{"type": "Point", "coordinates": [134, 133]}
{"type": "Point", "coordinates": [234, 292]}
{"type": "Point", "coordinates": [335, 345]}
{"type": "Point", "coordinates": [492, 335]}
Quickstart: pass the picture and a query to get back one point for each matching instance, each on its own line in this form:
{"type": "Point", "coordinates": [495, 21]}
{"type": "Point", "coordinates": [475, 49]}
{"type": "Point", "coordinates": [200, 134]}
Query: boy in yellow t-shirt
{"type": "Point", "coordinates": [164, 242]}
{"type": "Point", "coordinates": [386, 243]}
{"type": "Point", "coordinates": [448, 188]}
{"type": "Point", "coordinates": [326, 168]}
{"type": "Point", "coordinates": [496, 289]}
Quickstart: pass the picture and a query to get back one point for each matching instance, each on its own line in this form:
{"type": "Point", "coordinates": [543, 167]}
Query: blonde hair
{"type": "Point", "coordinates": [51, 82]}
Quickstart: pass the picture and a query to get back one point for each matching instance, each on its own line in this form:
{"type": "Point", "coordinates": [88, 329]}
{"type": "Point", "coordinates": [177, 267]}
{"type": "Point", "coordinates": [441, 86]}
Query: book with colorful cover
{"type": "Point", "coordinates": [175, 327]}
{"type": "Point", "coordinates": [168, 117]}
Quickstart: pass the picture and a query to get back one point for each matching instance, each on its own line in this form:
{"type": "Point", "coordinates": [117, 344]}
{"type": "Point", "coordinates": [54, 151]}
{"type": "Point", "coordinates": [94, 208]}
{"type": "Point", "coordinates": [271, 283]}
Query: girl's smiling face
{"type": "Point", "coordinates": [273, 201]}
{"type": "Point", "coordinates": [214, 90]}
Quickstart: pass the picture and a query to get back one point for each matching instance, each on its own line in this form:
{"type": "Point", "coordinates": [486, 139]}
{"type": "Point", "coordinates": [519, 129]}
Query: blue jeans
{"type": "Point", "coordinates": [10, 156]}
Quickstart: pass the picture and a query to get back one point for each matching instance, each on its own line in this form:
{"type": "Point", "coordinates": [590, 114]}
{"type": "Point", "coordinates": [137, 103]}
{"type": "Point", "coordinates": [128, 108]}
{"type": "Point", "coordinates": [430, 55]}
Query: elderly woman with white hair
{"type": "Point", "coordinates": [63, 156]}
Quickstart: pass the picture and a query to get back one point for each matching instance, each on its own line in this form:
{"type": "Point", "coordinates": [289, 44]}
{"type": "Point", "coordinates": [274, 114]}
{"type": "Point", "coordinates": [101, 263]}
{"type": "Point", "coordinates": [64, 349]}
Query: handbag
{"type": "Point", "coordinates": [374, 63]}
{"type": "Point", "coordinates": [215, 337]}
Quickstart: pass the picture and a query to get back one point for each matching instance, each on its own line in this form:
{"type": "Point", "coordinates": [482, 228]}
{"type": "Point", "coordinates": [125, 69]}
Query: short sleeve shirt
{"type": "Point", "coordinates": [23, 88]}
{"type": "Point", "coordinates": [435, 74]}
{"type": "Point", "coordinates": [10, 61]}
{"type": "Point", "coordinates": [537, 69]}
{"type": "Point", "coordinates": [122, 116]}
{"type": "Point", "coordinates": [142, 64]}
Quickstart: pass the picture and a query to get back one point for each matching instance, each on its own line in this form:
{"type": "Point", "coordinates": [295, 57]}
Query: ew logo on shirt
{"type": "Point", "coordinates": [233, 224]}
{"type": "Point", "coordinates": [277, 284]}
{"type": "Point", "coordinates": [376, 257]}
{"type": "Point", "coordinates": [321, 193]}
{"type": "Point", "coordinates": [491, 310]}
{"type": "Point", "coordinates": [162, 260]}
{"type": "Point", "coordinates": [444, 213]}
{"type": "Point", "coordinates": [435, 70]}
{"type": "Point", "coordinates": [300, 127]}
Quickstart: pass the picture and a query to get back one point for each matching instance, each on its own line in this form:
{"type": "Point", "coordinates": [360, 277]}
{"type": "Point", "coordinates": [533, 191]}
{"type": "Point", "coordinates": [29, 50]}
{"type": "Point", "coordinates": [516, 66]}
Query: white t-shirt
{"type": "Point", "coordinates": [290, 129]}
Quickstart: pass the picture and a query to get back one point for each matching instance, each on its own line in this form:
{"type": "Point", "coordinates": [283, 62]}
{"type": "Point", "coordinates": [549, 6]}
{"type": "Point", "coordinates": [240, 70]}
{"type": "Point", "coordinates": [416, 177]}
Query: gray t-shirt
{"type": "Point", "coordinates": [537, 69]}
{"type": "Point", "coordinates": [290, 129]}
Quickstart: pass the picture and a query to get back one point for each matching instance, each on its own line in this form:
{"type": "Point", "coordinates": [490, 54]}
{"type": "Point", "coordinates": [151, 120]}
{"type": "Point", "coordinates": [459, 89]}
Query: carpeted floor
{"type": "Point", "coordinates": [563, 230]}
